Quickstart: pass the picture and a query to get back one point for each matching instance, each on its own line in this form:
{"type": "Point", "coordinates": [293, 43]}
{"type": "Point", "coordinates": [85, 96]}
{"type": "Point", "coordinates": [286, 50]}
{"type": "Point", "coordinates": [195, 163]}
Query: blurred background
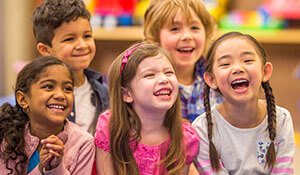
{"type": "Point", "coordinates": [118, 23]}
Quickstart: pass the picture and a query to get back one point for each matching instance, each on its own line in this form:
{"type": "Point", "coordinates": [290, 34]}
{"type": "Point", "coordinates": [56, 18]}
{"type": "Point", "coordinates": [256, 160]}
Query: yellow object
{"type": "Point", "coordinates": [140, 10]}
{"type": "Point", "coordinates": [90, 5]}
{"type": "Point", "coordinates": [216, 7]}
{"type": "Point", "coordinates": [297, 138]}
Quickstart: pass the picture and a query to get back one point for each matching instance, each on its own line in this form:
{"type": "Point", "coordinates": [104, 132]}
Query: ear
{"type": "Point", "coordinates": [210, 80]}
{"type": "Point", "coordinates": [127, 96]}
{"type": "Point", "coordinates": [21, 98]}
{"type": "Point", "coordinates": [267, 70]}
{"type": "Point", "coordinates": [43, 49]}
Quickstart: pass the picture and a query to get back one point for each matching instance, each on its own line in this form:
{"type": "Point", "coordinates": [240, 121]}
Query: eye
{"type": "Point", "coordinates": [174, 29]}
{"type": "Point", "coordinates": [224, 64]}
{"type": "Point", "coordinates": [195, 28]}
{"type": "Point", "coordinates": [88, 36]}
{"type": "Point", "coordinates": [149, 75]}
{"type": "Point", "coordinates": [48, 86]}
{"type": "Point", "coordinates": [170, 72]}
{"type": "Point", "coordinates": [68, 89]}
{"type": "Point", "coordinates": [68, 39]}
{"type": "Point", "coordinates": [248, 60]}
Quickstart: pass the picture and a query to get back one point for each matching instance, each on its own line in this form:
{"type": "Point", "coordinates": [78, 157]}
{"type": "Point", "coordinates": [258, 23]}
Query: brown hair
{"type": "Point", "coordinates": [124, 120]}
{"type": "Point", "coordinates": [161, 12]}
{"type": "Point", "coordinates": [51, 14]}
{"type": "Point", "coordinates": [13, 118]}
{"type": "Point", "coordinates": [271, 107]}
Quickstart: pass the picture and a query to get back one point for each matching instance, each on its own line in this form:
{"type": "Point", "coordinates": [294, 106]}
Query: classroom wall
{"type": "Point", "coordinates": [17, 39]}
{"type": "Point", "coordinates": [1, 50]}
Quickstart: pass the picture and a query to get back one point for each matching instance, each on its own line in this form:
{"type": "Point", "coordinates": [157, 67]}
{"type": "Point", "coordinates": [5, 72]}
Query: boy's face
{"type": "Point", "coordinates": [73, 44]}
{"type": "Point", "coordinates": [184, 40]}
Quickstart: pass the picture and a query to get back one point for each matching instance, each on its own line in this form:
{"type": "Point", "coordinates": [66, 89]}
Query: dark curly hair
{"type": "Point", "coordinates": [51, 14]}
{"type": "Point", "coordinates": [13, 118]}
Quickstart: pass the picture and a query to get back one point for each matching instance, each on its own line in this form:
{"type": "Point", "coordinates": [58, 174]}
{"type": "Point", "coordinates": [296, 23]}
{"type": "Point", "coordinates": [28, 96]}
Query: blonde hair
{"type": "Point", "coordinates": [161, 12]}
{"type": "Point", "coordinates": [125, 123]}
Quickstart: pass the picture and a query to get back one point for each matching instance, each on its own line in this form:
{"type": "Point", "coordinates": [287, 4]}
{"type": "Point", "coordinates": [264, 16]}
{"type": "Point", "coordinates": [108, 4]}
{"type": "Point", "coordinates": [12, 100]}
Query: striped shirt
{"type": "Point", "coordinates": [243, 151]}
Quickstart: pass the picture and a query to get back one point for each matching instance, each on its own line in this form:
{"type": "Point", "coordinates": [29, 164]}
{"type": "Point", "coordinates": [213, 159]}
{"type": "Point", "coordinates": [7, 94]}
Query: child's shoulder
{"type": "Point", "coordinates": [74, 131]}
{"type": "Point", "coordinates": [282, 116]}
{"type": "Point", "coordinates": [189, 133]}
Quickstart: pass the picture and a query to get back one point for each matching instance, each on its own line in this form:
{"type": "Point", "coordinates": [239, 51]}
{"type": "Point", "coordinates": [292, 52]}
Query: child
{"type": "Point", "coordinates": [144, 133]}
{"type": "Point", "coordinates": [242, 135]}
{"type": "Point", "coordinates": [62, 29]}
{"type": "Point", "coordinates": [184, 28]}
{"type": "Point", "coordinates": [35, 135]}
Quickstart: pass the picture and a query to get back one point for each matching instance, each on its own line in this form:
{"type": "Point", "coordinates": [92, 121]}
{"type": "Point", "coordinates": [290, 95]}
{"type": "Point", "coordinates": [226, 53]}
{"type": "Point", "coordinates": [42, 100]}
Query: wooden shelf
{"type": "Point", "coordinates": [119, 34]}
{"type": "Point", "coordinates": [285, 36]}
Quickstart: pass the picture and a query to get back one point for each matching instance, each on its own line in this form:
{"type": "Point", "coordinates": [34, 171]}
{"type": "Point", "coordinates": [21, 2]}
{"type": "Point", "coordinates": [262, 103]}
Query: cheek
{"type": "Point", "coordinates": [167, 41]}
{"type": "Point", "coordinates": [70, 98]}
{"type": "Point", "coordinates": [220, 77]}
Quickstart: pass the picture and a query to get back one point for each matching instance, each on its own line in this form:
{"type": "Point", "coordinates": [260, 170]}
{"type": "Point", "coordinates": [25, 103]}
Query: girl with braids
{"type": "Point", "coordinates": [244, 134]}
{"type": "Point", "coordinates": [36, 138]}
{"type": "Point", "coordinates": [144, 133]}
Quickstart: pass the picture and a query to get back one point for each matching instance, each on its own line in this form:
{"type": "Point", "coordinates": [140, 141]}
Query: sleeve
{"type": "Point", "coordinates": [202, 160]}
{"type": "Point", "coordinates": [101, 136]}
{"type": "Point", "coordinates": [191, 142]}
{"type": "Point", "coordinates": [285, 145]}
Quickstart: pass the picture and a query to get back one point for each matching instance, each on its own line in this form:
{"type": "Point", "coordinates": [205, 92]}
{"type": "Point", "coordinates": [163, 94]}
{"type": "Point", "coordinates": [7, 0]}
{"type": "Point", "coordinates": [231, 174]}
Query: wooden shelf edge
{"type": "Point", "coordinates": [284, 36]}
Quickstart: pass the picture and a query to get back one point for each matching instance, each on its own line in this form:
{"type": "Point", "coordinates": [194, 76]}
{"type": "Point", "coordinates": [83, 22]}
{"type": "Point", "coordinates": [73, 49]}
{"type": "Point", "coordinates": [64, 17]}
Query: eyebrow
{"type": "Point", "coordinates": [53, 81]}
{"type": "Point", "coordinates": [247, 53]}
{"type": "Point", "coordinates": [228, 55]}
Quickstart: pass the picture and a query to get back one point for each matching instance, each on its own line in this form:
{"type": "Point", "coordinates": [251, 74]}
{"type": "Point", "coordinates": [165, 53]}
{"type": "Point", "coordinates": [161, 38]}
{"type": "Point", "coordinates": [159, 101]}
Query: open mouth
{"type": "Point", "coordinates": [163, 92]}
{"type": "Point", "coordinates": [240, 83]}
{"type": "Point", "coordinates": [186, 50]}
{"type": "Point", "coordinates": [56, 107]}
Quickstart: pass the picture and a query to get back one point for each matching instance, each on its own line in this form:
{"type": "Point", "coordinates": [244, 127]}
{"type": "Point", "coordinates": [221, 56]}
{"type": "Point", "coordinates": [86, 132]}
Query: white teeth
{"type": "Point", "coordinates": [185, 49]}
{"type": "Point", "coordinates": [163, 92]}
{"type": "Point", "coordinates": [239, 81]}
{"type": "Point", "coordinates": [57, 107]}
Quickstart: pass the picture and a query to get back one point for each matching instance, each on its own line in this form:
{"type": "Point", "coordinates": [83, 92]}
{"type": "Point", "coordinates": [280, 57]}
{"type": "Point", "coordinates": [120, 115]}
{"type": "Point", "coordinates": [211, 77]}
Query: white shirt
{"type": "Point", "coordinates": [84, 109]}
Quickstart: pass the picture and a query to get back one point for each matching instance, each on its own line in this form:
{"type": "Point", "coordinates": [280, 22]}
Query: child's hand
{"type": "Point", "coordinates": [52, 152]}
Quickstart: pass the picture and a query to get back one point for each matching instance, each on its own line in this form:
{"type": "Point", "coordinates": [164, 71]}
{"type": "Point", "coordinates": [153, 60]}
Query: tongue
{"type": "Point", "coordinates": [241, 88]}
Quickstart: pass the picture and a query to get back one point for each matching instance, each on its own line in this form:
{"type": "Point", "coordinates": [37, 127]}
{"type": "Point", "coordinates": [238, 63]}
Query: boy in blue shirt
{"type": "Point", "coordinates": [62, 29]}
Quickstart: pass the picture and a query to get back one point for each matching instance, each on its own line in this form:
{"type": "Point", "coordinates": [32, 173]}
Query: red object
{"type": "Point", "coordinates": [288, 9]}
{"type": "Point", "coordinates": [115, 7]}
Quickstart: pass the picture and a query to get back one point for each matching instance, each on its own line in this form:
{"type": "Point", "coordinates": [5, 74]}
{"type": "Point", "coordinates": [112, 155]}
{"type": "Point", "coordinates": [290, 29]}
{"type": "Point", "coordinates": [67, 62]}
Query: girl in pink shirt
{"type": "Point", "coordinates": [144, 133]}
{"type": "Point", "coordinates": [36, 138]}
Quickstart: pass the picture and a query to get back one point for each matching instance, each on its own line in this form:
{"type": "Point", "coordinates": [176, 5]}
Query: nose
{"type": "Point", "coordinates": [163, 79]}
{"type": "Point", "coordinates": [81, 44]}
{"type": "Point", "coordinates": [186, 35]}
{"type": "Point", "coordinates": [238, 69]}
{"type": "Point", "coordinates": [59, 95]}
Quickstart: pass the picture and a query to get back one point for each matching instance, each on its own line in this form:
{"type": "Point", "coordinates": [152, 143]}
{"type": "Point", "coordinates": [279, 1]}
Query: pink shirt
{"type": "Point", "coordinates": [147, 157]}
{"type": "Point", "coordinates": [79, 152]}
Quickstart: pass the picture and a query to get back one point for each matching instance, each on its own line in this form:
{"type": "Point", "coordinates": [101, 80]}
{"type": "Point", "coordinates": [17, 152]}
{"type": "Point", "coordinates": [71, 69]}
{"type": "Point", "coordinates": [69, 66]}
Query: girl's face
{"type": "Point", "coordinates": [73, 44]}
{"type": "Point", "coordinates": [238, 70]}
{"type": "Point", "coordinates": [154, 87]}
{"type": "Point", "coordinates": [184, 40]}
{"type": "Point", "coordinates": [50, 99]}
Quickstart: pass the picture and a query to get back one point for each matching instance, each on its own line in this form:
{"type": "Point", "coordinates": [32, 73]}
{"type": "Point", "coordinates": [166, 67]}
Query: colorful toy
{"type": "Point", "coordinates": [258, 19]}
